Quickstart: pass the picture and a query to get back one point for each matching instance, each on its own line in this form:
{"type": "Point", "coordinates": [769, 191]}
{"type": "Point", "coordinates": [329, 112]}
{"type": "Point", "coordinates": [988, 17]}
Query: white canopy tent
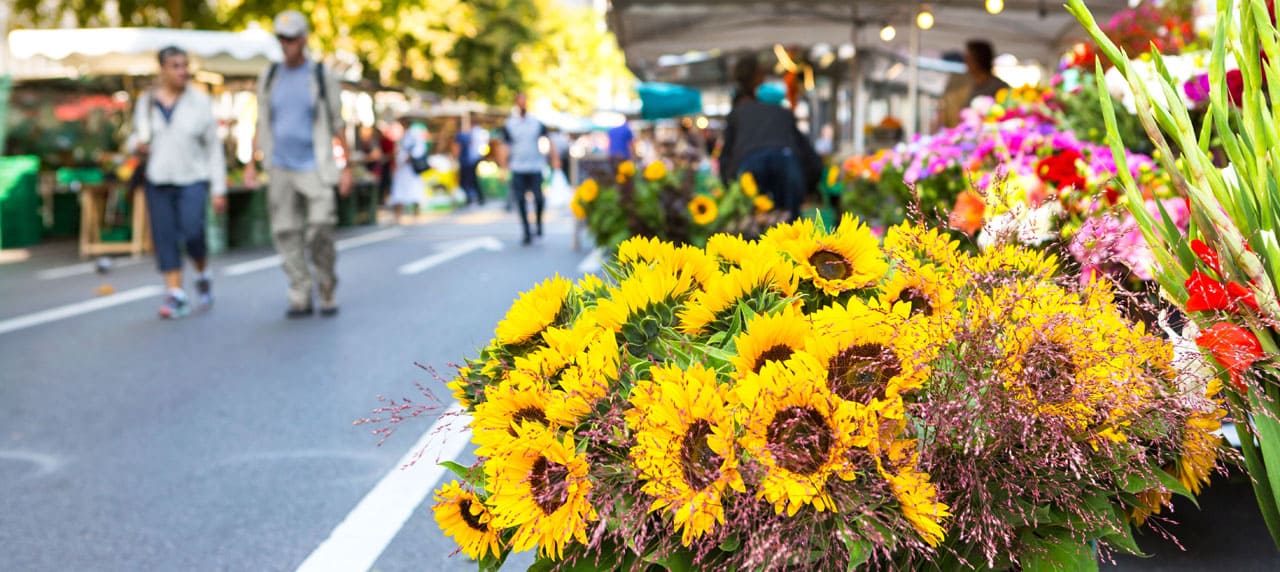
{"type": "Point", "coordinates": [132, 51]}
{"type": "Point", "coordinates": [1030, 29]}
{"type": "Point", "coordinates": [1037, 31]}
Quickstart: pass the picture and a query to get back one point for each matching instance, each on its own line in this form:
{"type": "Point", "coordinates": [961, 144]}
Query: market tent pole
{"type": "Point", "coordinates": [913, 82]}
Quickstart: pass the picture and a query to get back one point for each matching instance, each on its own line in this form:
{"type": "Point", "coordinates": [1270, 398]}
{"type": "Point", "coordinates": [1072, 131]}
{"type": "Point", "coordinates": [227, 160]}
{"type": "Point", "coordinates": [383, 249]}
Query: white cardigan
{"type": "Point", "coordinates": [185, 149]}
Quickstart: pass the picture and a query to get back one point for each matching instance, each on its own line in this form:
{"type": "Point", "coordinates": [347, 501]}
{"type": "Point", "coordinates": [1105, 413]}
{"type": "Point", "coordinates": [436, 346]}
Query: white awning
{"type": "Point", "coordinates": [1030, 29]}
{"type": "Point", "coordinates": [132, 51]}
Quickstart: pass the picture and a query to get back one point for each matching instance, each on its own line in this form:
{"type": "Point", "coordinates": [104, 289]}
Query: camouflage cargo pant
{"type": "Point", "coordinates": [303, 213]}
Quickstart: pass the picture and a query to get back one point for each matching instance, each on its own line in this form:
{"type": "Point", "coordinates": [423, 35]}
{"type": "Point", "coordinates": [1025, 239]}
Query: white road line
{"type": "Point", "coordinates": [593, 262]}
{"type": "Point", "coordinates": [273, 261]}
{"type": "Point", "coordinates": [357, 542]}
{"type": "Point", "coordinates": [457, 249]}
{"type": "Point", "coordinates": [79, 308]}
{"type": "Point", "coordinates": [81, 268]}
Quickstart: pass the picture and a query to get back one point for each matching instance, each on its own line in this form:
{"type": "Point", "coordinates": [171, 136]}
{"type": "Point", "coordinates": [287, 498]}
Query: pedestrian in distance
{"type": "Point", "coordinates": [176, 134]}
{"type": "Point", "coordinates": [408, 189]}
{"type": "Point", "coordinates": [299, 122]}
{"type": "Point", "coordinates": [470, 147]}
{"type": "Point", "coordinates": [763, 139]}
{"type": "Point", "coordinates": [522, 135]}
{"type": "Point", "coordinates": [980, 58]}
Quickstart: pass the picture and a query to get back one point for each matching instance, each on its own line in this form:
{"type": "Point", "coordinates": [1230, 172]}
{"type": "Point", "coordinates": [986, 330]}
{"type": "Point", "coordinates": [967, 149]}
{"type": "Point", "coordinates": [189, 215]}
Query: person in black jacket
{"type": "Point", "coordinates": [763, 140]}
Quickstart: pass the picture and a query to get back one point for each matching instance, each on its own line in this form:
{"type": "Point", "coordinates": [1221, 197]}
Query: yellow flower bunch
{"type": "Point", "coordinates": [655, 171]}
{"type": "Point", "coordinates": [811, 380]}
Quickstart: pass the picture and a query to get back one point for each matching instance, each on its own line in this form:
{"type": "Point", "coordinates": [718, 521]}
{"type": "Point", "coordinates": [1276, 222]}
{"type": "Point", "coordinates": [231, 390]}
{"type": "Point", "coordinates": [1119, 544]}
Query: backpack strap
{"type": "Point", "coordinates": [323, 93]}
{"type": "Point", "coordinates": [271, 77]}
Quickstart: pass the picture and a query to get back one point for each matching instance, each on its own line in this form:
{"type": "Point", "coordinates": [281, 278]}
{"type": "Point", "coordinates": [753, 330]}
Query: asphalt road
{"type": "Point", "coordinates": [225, 441]}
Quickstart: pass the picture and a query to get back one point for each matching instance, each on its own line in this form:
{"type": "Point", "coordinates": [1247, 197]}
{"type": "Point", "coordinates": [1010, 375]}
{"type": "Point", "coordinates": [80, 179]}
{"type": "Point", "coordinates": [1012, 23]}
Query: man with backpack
{"type": "Point", "coordinates": [299, 121]}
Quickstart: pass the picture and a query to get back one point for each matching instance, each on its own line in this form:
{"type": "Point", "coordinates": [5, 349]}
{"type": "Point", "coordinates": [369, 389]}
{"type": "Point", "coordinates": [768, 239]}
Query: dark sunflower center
{"type": "Point", "coordinates": [701, 208]}
{"type": "Point", "coordinates": [698, 462]}
{"type": "Point", "coordinates": [800, 440]}
{"type": "Point", "coordinates": [472, 520]}
{"type": "Point", "coordinates": [920, 303]}
{"type": "Point", "coordinates": [776, 353]}
{"type": "Point", "coordinates": [830, 265]}
{"type": "Point", "coordinates": [526, 414]}
{"type": "Point", "coordinates": [1050, 372]}
{"type": "Point", "coordinates": [861, 372]}
{"type": "Point", "coordinates": [549, 483]}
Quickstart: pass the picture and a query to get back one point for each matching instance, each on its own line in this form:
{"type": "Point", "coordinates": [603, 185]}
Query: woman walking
{"type": "Point", "coordinates": [407, 186]}
{"type": "Point", "coordinates": [177, 134]}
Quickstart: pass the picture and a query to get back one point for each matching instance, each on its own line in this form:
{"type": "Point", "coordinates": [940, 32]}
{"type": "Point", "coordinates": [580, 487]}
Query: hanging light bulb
{"type": "Point", "coordinates": [888, 33]}
{"type": "Point", "coordinates": [924, 19]}
{"type": "Point", "coordinates": [995, 6]}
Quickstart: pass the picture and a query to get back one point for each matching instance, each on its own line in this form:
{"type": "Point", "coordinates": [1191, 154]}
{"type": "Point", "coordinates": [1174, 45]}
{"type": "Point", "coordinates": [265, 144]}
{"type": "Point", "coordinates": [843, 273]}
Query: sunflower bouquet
{"type": "Point", "coordinates": [813, 400]}
{"type": "Point", "coordinates": [683, 206]}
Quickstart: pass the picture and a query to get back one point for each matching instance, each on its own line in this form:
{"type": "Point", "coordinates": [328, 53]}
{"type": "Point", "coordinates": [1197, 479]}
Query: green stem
{"type": "Point", "coordinates": [1257, 470]}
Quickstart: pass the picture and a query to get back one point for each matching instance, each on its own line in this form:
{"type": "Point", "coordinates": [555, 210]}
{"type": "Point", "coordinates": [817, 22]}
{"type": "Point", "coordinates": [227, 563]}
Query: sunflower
{"type": "Point", "coordinates": [869, 355]}
{"type": "Point", "coordinates": [510, 405]}
{"type": "Point", "coordinates": [540, 486]}
{"type": "Point", "coordinates": [690, 262]}
{"type": "Point", "coordinates": [655, 170]}
{"type": "Point", "coordinates": [769, 338]}
{"type": "Point", "coordinates": [684, 449]}
{"type": "Point", "coordinates": [1001, 263]}
{"type": "Point", "coordinates": [731, 250]}
{"type": "Point", "coordinates": [562, 348]}
{"type": "Point", "coordinates": [748, 182]}
{"type": "Point", "coordinates": [766, 273]}
{"type": "Point", "coordinates": [847, 259]}
{"type": "Point", "coordinates": [533, 311]}
{"type": "Point", "coordinates": [922, 288]}
{"type": "Point", "coordinates": [763, 204]}
{"type": "Point", "coordinates": [914, 242]}
{"type": "Point", "coordinates": [576, 206]}
{"type": "Point", "coordinates": [800, 433]}
{"type": "Point", "coordinates": [1199, 449]}
{"type": "Point", "coordinates": [626, 170]}
{"type": "Point", "coordinates": [639, 293]}
{"type": "Point", "coordinates": [916, 494]}
{"type": "Point", "coordinates": [587, 381]}
{"type": "Point", "coordinates": [782, 235]}
{"type": "Point", "coordinates": [587, 191]}
{"type": "Point", "coordinates": [463, 516]}
{"type": "Point", "coordinates": [1062, 361]}
{"type": "Point", "coordinates": [703, 210]}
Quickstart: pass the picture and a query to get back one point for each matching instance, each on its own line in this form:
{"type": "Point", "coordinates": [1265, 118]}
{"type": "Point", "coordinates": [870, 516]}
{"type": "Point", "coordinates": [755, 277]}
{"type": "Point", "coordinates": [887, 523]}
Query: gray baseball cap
{"type": "Point", "coordinates": [291, 24]}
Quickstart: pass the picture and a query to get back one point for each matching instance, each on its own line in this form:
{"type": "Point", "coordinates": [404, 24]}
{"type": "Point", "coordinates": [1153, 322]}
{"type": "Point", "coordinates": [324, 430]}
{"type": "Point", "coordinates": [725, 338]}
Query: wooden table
{"type": "Point", "coordinates": [93, 203]}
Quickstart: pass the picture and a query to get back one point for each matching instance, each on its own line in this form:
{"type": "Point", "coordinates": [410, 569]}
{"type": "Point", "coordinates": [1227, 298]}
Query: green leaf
{"type": "Point", "coordinates": [491, 564]}
{"type": "Point", "coordinates": [1175, 486]}
{"type": "Point", "coordinates": [1058, 553]}
{"type": "Point", "coordinates": [473, 476]}
{"type": "Point", "coordinates": [859, 551]}
{"type": "Point", "coordinates": [732, 543]}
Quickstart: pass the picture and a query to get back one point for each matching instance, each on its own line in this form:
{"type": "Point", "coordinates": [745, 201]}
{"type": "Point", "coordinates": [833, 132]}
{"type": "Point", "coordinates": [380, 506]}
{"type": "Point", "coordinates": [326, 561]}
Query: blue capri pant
{"type": "Point", "coordinates": [177, 215]}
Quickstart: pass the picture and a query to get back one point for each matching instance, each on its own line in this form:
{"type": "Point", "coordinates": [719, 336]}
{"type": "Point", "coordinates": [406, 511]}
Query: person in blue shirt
{"type": "Point", "coordinates": [622, 142]}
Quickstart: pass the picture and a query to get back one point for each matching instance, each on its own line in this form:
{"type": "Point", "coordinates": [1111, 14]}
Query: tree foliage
{"type": "Point", "coordinates": [486, 50]}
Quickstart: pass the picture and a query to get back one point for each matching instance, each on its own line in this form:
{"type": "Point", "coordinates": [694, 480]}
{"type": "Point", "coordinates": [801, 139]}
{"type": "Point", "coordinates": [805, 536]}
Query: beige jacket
{"type": "Point", "coordinates": [322, 131]}
{"type": "Point", "coordinates": [186, 148]}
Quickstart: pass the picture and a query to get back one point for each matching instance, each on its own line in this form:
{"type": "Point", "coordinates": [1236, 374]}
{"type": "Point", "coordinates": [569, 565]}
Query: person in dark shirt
{"type": "Point", "coordinates": [980, 56]}
{"type": "Point", "coordinates": [763, 140]}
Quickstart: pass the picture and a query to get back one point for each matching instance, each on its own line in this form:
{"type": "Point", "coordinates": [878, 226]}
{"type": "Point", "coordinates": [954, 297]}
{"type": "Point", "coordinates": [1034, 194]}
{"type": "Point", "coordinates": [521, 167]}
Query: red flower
{"type": "Point", "coordinates": [1060, 170]}
{"type": "Point", "coordinates": [1234, 347]}
{"type": "Point", "coordinates": [1207, 255]}
{"type": "Point", "coordinates": [1235, 87]}
{"type": "Point", "coordinates": [1239, 293]}
{"type": "Point", "coordinates": [1205, 294]}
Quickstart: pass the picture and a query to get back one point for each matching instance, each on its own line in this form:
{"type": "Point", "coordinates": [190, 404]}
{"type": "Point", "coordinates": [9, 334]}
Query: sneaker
{"type": "Point", "coordinates": [295, 312]}
{"type": "Point", "coordinates": [204, 294]}
{"type": "Point", "coordinates": [174, 307]}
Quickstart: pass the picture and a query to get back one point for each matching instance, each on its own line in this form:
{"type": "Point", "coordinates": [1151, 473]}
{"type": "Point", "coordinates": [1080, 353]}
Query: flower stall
{"type": "Point", "coordinates": [682, 205]}
{"type": "Point", "coordinates": [815, 400]}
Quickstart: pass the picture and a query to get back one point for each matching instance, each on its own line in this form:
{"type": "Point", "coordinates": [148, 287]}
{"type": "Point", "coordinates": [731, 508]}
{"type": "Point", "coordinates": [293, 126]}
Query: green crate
{"type": "Point", "coordinates": [66, 216]}
{"type": "Point", "coordinates": [493, 188]}
{"type": "Point", "coordinates": [83, 175]}
{"type": "Point", "coordinates": [20, 221]}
